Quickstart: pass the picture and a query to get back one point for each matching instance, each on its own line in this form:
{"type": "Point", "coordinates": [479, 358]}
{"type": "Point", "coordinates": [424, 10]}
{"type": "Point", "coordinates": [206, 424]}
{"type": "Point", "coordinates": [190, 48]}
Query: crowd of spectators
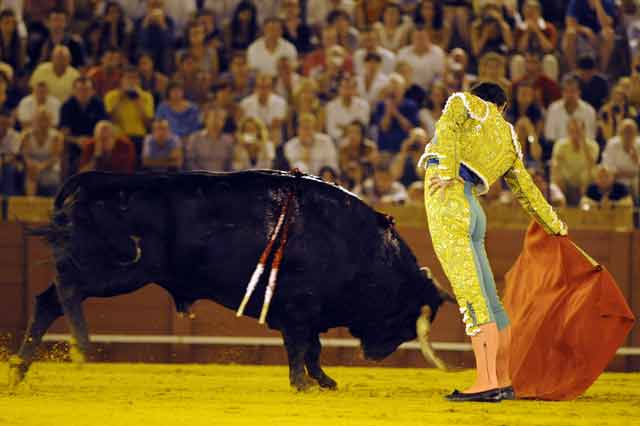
{"type": "Point", "coordinates": [346, 89]}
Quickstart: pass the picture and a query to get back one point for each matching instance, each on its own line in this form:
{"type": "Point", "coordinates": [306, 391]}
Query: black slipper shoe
{"type": "Point", "coordinates": [508, 394]}
{"type": "Point", "coordinates": [492, 395]}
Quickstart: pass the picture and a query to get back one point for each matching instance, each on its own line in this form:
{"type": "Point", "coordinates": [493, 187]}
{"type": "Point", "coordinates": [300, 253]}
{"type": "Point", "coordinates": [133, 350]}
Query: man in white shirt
{"type": "Point", "coordinates": [622, 156]}
{"type": "Point", "coordinates": [265, 105]}
{"type": "Point", "coordinates": [39, 98]}
{"type": "Point", "coordinates": [561, 111]}
{"type": "Point", "coordinates": [372, 81]}
{"type": "Point", "coordinates": [264, 53]}
{"type": "Point", "coordinates": [310, 151]}
{"type": "Point", "coordinates": [369, 43]}
{"type": "Point", "coordinates": [426, 59]}
{"type": "Point", "coordinates": [345, 109]}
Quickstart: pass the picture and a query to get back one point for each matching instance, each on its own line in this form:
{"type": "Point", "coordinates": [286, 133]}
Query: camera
{"type": "Point", "coordinates": [132, 94]}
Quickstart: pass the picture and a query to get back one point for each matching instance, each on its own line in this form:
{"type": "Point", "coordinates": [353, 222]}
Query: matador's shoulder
{"type": "Point", "coordinates": [469, 104]}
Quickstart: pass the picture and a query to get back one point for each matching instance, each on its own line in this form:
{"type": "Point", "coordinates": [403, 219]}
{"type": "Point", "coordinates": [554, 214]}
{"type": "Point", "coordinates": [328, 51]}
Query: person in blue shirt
{"type": "Point", "coordinates": [590, 26]}
{"type": "Point", "coordinates": [182, 115]}
{"type": "Point", "coordinates": [395, 116]}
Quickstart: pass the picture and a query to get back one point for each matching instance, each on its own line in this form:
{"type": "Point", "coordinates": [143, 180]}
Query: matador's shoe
{"type": "Point", "coordinates": [508, 394]}
{"type": "Point", "coordinates": [492, 395]}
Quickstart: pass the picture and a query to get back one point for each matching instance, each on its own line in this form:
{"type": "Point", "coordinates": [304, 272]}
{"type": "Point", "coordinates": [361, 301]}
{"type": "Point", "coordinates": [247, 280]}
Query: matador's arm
{"type": "Point", "coordinates": [532, 200]}
{"type": "Point", "coordinates": [448, 132]}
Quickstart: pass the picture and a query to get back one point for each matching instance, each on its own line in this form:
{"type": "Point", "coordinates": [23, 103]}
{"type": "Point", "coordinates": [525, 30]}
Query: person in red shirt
{"type": "Point", "coordinates": [108, 152]}
{"type": "Point", "coordinates": [547, 90]}
{"type": "Point", "coordinates": [108, 74]}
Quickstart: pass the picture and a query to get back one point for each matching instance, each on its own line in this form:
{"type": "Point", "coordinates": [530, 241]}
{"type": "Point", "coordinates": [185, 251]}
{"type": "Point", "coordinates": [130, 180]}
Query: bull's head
{"type": "Point", "coordinates": [409, 314]}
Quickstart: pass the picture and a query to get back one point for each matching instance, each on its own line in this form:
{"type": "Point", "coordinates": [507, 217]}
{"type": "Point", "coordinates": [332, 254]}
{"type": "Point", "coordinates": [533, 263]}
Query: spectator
{"type": "Point", "coordinates": [594, 88]}
{"type": "Point", "coordinates": [547, 89]}
{"type": "Point", "coordinates": [490, 32]}
{"type": "Point", "coordinates": [550, 190]}
{"type": "Point", "coordinates": [183, 116]}
{"type": "Point", "coordinates": [430, 115]}
{"type": "Point", "coordinates": [188, 75]}
{"type": "Point", "coordinates": [318, 10]}
{"type": "Point", "coordinates": [614, 112]}
{"type": "Point", "coordinates": [430, 14]}
{"type": "Point", "coordinates": [107, 152]}
{"type": "Point", "coordinates": [493, 67]}
{"type": "Point", "coordinates": [131, 108]}
{"type": "Point", "coordinates": [91, 42]}
{"type": "Point", "coordinates": [357, 149]}
{"type": "Point", "coordinates": [332, 74]}
{"type": "Point", "coordinates": [606, 192]}
{"type": "Point", "coordinates": [211, 148]}
{"type": "Point", "coordinates": [310, 151]}
{"type": "Point", "coordinates": [58, 74]}
{"type": "Point", "coordinates": [9, 96]}
{"type": "Point", "coordinates": [287, 79]}
{"type": "Point", "coordinates": [457, 14]}
{"type": "Point", "coordinates": [57, 35]}
{"type": "Point", "coordinates": [40, 98]}
{"type": "Point", "coordinates": [151, 80]}
{"type": "Point", "coordinates": [115, 28]}
{"type": "Point", "coordinates": [534, 34]}
{"type": "Point", "coordinates": [404, 167]}
{"type": "Point", "coordinates": [205, 56]}
{"type": "Point", "coordinates": [296, 32]}
{"type": "Point", "coordinates": [535, 150]}
{"type": "Point", "coordinates": [393, 32]}
{"type": "Point", "coordinates": [346, 108]}
{"type": "Point", "coordinates": [589, 28]}
{"type": "Point", "coordinates": [253, 149]}
{"type": "Point", "coordinates": [241, 78]}
{"type": "Point", "coordinates": [108, 74]}
{"type": "Point", "coordinates": [316, 62]}
{"type": "Point", "coordinates": [213, 36]}
{"type": "Point", "coordinates": [263, 54]}
{"type": "Point", "coordinates": [265, 105]}
{"type": "Point", "coordinates": [330, 175]}
{"type": "Point", "coordinates": [42, 152]}
{"type": "Point", "coordinates": [426, 59]}
{"type": "Point", "coordinates": [372, 81]}
{"type": "Point", "coordinates": [622, 156]}
{"type": "Point", "coordinates": [12, 46]}
{"type": "Point", "coordinates": [382, 187]}
{"type": "Point", "coordinates": [223, 99]}
{"type": "Point", "coordinates": [394, 116]}
{"type": "Point", "coordinates": [347, 35]}
{"type": "Point", "coordinates": [634, 82]}
{"type": "Point", "coordinates": [162, 151]}
{"type": "Point", "coordinates": [368, 12]}
{"type": "Point", "coordinates": [306, 101]}
{"type": "Point", "coordinates": [10, 162]}
{"type": "Point", "coordinates": [573, 161]}
{"type": "Point", "coordinates": [456, 76]}
{"type": "Point", "coordinates": [79, 116]}
{"type": "Point", "coordinates": [181, 11]}
{"type": "Point", "coordinates": [369, 44]}
{"type": "Point", "coordinates": [243, 28]}
{"type": "Point", "coordinates": [561, 111]}
{"type": "Point", "coordinates": [154, 33]}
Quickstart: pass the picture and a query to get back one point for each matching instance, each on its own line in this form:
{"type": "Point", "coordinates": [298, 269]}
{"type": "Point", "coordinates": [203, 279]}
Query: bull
{"type": "Point", "coordinates": [199, 235]}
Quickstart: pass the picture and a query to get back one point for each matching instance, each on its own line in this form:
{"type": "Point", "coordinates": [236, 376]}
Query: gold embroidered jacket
{"type": "Point", "coordinates": [474, 133]}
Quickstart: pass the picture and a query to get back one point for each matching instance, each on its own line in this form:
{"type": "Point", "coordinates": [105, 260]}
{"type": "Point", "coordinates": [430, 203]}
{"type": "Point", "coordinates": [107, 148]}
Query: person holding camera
{"type": "Point", "coordinates": [491, 33]}
{"type": "Point", "coordinates": [404, 167]}
{"type": "Point", "coordinates": [131, 108]}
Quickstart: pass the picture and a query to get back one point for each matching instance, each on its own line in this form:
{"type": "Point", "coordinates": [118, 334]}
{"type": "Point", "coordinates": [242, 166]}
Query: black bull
{"type": "Point", "coordinates": [199, 236]}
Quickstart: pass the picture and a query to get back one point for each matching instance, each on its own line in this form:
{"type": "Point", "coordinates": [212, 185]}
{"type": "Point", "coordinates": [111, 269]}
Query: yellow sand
{"type": "Point", "coordinates": [149, 395]}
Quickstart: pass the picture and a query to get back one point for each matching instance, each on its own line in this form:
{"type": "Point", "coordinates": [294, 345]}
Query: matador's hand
{"type": "Point", "coordinates": [437, 183]}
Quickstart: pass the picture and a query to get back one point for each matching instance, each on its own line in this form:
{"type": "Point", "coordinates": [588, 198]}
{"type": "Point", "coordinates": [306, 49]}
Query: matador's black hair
{"type": "Point", "coordinates": [490, 92]}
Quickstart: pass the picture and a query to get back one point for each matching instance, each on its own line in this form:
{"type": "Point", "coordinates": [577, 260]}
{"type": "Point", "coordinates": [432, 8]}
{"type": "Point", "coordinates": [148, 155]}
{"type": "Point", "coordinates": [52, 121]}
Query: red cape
{"type": "Point", "coordinates": [568, 318]}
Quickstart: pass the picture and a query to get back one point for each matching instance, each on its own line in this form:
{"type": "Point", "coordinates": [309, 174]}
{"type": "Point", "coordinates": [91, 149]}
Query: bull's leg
{"type": "Point", "coordinates": [71, 303]}
{"type": "Point", "coordinates": [312, 361]}
{"type": "Point", "coordinates": [46, 310]}
{"type": "Point", "coordinates": [296, 341]}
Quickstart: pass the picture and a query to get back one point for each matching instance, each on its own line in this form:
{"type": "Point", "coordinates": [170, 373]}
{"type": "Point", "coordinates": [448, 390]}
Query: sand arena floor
{"type": "Point", "coordinates": [152, 394]}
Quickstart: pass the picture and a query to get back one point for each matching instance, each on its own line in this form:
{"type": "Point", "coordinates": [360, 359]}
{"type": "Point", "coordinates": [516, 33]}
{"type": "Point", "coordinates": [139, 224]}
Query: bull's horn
{"type": "Point", "coordinates": [444, 293]}
{"type": "Point", "coordinates": [423, 329]}
{"type": "Point", "coordinates": [138, 256]}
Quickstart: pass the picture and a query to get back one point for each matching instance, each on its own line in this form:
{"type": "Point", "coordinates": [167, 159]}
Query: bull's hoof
{"type": "Point", "coordinates": [17, 371]}
{"type": "Point", "coordinates": [303, 383]}
{"type": "Point", "coordinates": [76, 355]}
{"type": "Point", "coordinates": [327, 382]}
